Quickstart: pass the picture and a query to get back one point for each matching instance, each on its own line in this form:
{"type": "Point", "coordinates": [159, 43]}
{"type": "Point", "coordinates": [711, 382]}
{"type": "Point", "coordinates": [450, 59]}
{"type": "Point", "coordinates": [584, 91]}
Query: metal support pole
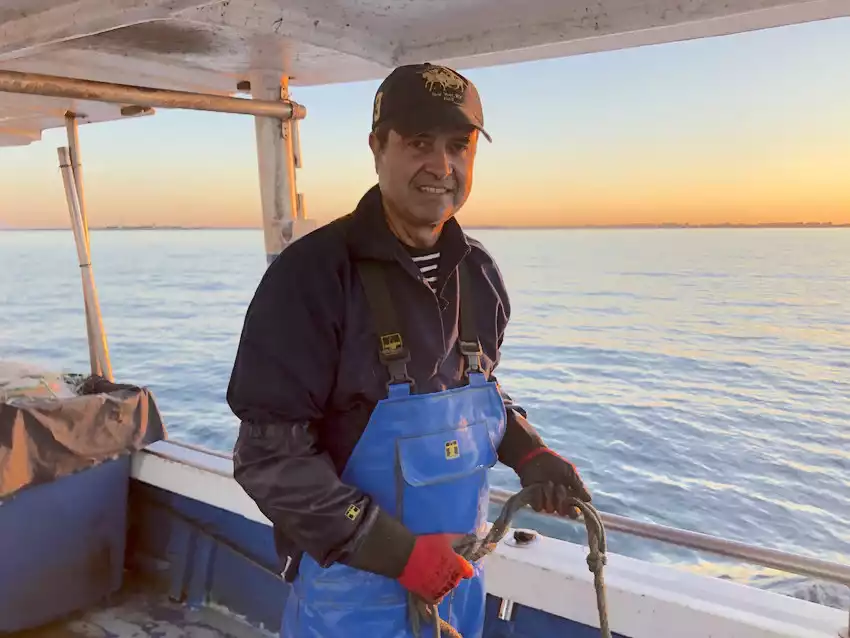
{"type": "Point", "coordinates": [72, 131]}
{"type": "Point", "coordinates": [296, 143]}
{"type": "Point", "coordinates": [125, 94]}
{"type": "Point", "coordinates": [98, 349]}
{"type": "Point", "coordinates": [276, 163]}
{"type": "Point", "coordinates": [300, 205]}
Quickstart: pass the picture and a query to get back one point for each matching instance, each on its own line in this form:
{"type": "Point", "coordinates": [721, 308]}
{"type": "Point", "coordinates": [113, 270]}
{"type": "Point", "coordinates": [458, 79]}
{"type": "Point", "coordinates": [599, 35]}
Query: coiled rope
{"type": "Point", "coordinates": [473, 549]}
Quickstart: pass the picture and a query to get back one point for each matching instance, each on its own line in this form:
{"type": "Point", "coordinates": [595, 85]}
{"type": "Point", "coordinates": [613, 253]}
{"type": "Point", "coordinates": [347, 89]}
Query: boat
{"type": "Point", "coordinates": [145, 535]}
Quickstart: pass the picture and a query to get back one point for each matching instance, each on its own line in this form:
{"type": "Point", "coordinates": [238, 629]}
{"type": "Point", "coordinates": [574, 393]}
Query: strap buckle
{"type": "Point", "coordinates": [395, 356]}
{"type": "Point", "coordinates": [472, 351]}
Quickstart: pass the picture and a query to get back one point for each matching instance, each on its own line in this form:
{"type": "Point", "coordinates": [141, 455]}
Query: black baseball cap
{"type": "Point", "coordinates": [419, 97]}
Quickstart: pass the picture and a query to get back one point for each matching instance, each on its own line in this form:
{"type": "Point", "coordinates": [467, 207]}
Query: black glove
{"type": "Point", "coordinates": [385, 547]}
{"type": "Point", "coordinates": [560, 481]}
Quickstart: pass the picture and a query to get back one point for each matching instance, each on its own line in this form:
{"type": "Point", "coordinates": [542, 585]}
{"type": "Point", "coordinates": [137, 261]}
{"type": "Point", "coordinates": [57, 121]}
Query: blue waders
{"type": "Point", "coordinates": [423, 458]}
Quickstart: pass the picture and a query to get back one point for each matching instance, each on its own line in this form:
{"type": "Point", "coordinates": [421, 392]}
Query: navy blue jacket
{"type": "Point", "coordinates": [307, 374]}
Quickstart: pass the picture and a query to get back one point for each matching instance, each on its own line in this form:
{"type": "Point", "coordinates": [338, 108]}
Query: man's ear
{"type": "Point", "coordinates": [375, 145]}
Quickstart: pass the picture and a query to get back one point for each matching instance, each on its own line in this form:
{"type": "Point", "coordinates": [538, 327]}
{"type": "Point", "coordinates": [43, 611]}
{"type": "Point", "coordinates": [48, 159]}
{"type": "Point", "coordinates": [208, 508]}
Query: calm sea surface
{"type": "Point", "coordinates": [698, 378]}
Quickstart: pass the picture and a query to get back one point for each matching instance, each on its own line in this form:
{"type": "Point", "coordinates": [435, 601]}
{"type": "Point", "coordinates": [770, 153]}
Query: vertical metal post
{"type": "Point", "coordinates": [98, 349]}
{"type": "Point", "coordinates": [276, 163]}
{"type": "Point", "coordinates": [296, 142]}
{"type": "Point", "coordinates": [300, 206]}
{"type": "Point", "coordinates": [72, 131]}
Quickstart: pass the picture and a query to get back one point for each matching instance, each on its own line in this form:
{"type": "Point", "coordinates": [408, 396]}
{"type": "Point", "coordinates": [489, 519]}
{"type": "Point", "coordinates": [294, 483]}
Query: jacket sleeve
{"type": "Point", "coordinates": [520, 436]}
{"type": "Point", "coordinates": [281, 381]}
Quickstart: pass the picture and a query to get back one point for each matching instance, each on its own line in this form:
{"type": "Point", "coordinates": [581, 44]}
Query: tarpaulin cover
{"type": "Point", "coordinates": [45, 438]}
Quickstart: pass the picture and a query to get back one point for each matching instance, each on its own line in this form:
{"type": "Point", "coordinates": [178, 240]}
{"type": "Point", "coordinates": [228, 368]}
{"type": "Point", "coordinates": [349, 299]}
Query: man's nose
{"type": "Point", "coordinates": [438, 163]}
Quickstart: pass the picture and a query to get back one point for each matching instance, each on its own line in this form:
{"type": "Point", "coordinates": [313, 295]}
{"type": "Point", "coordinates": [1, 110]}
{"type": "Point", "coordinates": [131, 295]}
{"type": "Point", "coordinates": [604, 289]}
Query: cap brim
{"type": "Point", "coordinates": [412, 123]}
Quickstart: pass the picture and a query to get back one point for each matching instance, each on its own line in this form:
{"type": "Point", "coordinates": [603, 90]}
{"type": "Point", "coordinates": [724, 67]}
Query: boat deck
{"type": "Point", "coordinates": [140, 612]}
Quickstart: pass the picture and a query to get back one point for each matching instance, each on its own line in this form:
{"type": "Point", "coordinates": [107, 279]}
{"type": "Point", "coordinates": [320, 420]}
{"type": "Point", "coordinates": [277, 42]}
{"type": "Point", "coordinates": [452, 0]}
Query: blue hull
{"type": "Point", "coordinates": [202, 554]}
{"type": "Point", "coordinates": [193, 567]}
{"type": "Point", "coordinates": [62, 545]}
{"type": "Point", "coordinates": [63, 574]}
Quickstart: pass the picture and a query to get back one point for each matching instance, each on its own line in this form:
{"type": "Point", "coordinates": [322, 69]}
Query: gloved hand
{"type": "Point", "coordinates": [434, 568]}
{"type": "Point", "coordinates": [560, 480]}
{"type": "Point", "coordinates": [425, 565]}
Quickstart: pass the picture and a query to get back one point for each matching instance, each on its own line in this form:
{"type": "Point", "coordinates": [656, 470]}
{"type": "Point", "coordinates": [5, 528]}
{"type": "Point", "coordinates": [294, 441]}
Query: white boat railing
{"type": "Point", "coordinates": [776, 559]}
{"type": "Point", "coordinates": [207, 476]}
{"type": "Point", "coordinates": [772, 558]}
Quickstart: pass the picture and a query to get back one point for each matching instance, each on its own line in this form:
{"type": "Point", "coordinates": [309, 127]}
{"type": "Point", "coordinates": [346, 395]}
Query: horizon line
{"type": "Point", "coordinates": [635, 226]}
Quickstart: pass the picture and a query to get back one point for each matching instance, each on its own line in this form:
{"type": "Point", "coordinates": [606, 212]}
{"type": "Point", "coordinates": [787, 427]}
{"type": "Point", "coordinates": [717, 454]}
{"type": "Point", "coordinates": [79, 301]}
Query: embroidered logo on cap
{"type": "Point", "coordinates": [445, 83]}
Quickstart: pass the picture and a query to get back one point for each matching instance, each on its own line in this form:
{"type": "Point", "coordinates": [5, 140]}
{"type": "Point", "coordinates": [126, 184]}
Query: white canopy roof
{"type": "Point", "coordinates": [211, 46]}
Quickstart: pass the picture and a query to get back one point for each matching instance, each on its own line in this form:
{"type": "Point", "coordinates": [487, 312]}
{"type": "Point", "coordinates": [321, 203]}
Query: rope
{"type": "Point", "coordinates": [473, 549]}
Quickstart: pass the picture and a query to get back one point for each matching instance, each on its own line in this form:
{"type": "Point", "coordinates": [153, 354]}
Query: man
{"type": "Point", "coordinates": [364, 385]}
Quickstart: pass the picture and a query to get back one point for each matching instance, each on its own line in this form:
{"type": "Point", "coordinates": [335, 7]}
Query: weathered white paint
{"type": "Point", "coordinates": [561, 29]}
{"type": "Point", "coordinates": [204, 477]}
{"type": "Point", "coordinates": [26, 26]}
{"type": "Point", "coordinates": [321, 24]}
{"type": "Point", "coordinates": [209, 46]}
{"type": "Point", "coordinates": [644, 600]}
{"type": "Point", "coordinates": [108, 66]}
{"type": "Point", "coordinates": [276, 163]}
{"type": "Point", "coordinates": [650, 601]}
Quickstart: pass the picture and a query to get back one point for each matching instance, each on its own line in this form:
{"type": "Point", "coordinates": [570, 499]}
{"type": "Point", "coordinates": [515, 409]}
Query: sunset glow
{"type": "Point", "coordinates": [749, 128]}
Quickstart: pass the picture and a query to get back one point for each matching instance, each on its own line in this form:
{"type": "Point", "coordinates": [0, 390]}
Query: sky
{"type": "Point", "coordinates": [748, 128]}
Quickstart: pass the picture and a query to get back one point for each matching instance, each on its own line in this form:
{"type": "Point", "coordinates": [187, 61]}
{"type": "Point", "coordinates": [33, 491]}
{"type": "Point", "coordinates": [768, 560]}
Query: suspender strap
{"type": "Point", "coordinates": [468, 343]}
{"type": "Point", "coordinates": [392, 350]}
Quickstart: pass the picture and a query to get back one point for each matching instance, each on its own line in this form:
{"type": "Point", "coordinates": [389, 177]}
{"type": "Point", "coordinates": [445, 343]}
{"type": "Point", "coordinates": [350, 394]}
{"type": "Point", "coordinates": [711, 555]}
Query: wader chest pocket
{"type": "Point", "coordinates": [446, 455]}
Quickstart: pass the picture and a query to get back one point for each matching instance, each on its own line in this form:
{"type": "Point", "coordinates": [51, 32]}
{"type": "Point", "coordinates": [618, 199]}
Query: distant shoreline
{"type": "Point", "coordinates": [668, 226]}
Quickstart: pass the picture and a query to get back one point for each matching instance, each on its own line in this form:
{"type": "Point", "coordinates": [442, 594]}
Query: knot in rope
{"type": "Point", "coordinates": [596, 561]}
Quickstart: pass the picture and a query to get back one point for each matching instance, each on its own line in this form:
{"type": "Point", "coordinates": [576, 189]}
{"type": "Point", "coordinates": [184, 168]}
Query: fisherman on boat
{"type": "Point", "coordinates": [364, 385]}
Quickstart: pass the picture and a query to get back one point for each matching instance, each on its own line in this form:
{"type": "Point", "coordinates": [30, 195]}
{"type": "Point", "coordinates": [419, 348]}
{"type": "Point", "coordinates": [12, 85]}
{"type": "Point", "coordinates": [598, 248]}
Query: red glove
{"type": "Point", "coordinates": [434, 568]}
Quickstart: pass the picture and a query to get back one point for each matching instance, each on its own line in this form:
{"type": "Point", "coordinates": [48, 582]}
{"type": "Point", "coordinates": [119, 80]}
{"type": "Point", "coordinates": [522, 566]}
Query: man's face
{"type": "Point", "coordinates": [425, 178]}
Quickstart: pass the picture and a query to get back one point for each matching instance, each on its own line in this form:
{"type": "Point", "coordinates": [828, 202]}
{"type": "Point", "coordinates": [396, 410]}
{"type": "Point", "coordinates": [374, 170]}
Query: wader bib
{"type": "Point", "coordinates": [423, 458]}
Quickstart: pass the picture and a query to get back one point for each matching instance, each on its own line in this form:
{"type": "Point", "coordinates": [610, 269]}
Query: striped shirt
{"type": "Point", "coordinates": [427, 262]}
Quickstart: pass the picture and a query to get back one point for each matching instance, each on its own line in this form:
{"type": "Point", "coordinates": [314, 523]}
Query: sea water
{"type": "Point", "coordinates": [698, 378]}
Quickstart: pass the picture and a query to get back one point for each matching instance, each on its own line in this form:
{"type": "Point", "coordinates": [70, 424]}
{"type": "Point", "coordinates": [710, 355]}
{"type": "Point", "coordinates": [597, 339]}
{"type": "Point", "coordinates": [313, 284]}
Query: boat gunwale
{"type": "Point", "coordinates": [781, 560]}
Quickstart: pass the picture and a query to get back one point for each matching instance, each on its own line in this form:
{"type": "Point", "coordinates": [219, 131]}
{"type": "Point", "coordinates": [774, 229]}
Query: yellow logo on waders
{"type": "Point", "coordinates": [391, 342]}
{"type": "Point", "coordinates": [352, 512]}
{"type": "Point", "coordinates": [452, 450]}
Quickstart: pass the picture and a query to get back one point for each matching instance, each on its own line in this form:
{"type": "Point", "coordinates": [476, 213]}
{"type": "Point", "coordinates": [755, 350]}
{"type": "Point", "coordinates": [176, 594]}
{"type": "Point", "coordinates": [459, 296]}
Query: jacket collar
{"type": "Point", "coordinates": [370, 237]}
